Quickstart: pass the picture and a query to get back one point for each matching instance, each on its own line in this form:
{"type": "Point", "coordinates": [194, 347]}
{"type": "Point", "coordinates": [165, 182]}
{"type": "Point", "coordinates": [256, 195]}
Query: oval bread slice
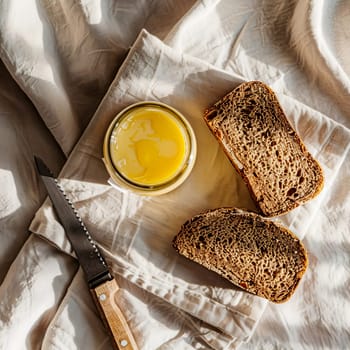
{"type": "Point", "coordinates": [264, 148]}
{"type": "Point", "coordinates": [250, 251]}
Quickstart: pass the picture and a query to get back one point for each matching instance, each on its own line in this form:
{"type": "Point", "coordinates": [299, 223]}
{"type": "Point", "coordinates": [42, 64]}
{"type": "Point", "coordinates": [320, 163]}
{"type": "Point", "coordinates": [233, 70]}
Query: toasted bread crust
{"type": "Point", "coordinates": [264, 148]}
{"type": "Point", "coordinates": [250, 251]}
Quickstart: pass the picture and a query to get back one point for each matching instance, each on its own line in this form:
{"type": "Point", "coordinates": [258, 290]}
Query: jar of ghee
{"type": "Point", "coordinates": [149, 148]}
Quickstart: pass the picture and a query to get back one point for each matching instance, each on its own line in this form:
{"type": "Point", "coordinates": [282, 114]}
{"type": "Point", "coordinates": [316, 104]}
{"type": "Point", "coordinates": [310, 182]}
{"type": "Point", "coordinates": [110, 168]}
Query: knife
{"type": "Point", "coordinates": [102, 285]}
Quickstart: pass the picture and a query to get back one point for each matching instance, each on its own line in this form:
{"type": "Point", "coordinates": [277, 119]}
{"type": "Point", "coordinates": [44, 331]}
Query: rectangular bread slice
{"type": "Point", "coordinates": [261, 144]}
{"type": "Point", "coordinates": [249, 250]}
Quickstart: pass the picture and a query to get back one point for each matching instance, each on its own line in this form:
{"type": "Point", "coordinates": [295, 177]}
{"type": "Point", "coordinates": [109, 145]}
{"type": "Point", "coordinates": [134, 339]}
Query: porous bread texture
{"type": "Point", "coordinates": [264, 148]}
{"type": "Point", "coordinates": [250, 251]}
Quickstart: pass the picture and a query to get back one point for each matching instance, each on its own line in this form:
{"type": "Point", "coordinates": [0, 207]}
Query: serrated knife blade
{"type": "Point", "coordinates": [103, 286]}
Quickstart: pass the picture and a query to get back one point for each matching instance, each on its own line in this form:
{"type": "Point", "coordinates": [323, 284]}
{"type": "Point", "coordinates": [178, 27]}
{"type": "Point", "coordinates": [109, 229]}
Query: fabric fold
{"type": "Point", "coordinates": [68, 52]}
{"type": "Point", "coordinates": [318, 36]}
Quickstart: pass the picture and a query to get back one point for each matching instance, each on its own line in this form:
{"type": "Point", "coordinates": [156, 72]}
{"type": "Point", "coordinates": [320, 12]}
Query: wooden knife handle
{"type": "Point", "coordinates": [112, 316]}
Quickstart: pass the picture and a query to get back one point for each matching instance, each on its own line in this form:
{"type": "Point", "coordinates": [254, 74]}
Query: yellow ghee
{"type": "Point", "coordinates": [149, 145]}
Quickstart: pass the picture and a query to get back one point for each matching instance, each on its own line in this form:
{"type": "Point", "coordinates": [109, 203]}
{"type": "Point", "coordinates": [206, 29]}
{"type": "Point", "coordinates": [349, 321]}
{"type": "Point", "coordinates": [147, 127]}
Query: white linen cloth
{"type": "Point", "coordinates": [136, 231]}
{"type": "Point", "coordinates": [245, 40]}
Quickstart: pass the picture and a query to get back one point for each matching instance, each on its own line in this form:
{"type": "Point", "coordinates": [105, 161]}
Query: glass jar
{"type": "Point", "coordinates": [149, 148]}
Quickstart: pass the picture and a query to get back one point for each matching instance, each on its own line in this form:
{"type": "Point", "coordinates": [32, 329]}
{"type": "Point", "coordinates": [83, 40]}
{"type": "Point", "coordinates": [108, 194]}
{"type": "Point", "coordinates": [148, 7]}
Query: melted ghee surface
{"type": "Point", "coordinates": [149, 146]}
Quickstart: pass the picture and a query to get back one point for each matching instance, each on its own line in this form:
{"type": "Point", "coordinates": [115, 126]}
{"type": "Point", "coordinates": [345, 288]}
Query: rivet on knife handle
{"type": "Point", "coordinates": [112, 316]}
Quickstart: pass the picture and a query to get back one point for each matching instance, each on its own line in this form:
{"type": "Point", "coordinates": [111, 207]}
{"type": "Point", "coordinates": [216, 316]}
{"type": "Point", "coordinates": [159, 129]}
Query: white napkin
{"type": "Point", "coordinates": [135, 232]}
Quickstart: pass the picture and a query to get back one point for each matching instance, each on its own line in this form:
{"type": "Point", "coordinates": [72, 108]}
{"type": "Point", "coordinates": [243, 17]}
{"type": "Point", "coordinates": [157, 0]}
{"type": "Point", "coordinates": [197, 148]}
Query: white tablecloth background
{"type": "Point", "coordinates": [76, 65]}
